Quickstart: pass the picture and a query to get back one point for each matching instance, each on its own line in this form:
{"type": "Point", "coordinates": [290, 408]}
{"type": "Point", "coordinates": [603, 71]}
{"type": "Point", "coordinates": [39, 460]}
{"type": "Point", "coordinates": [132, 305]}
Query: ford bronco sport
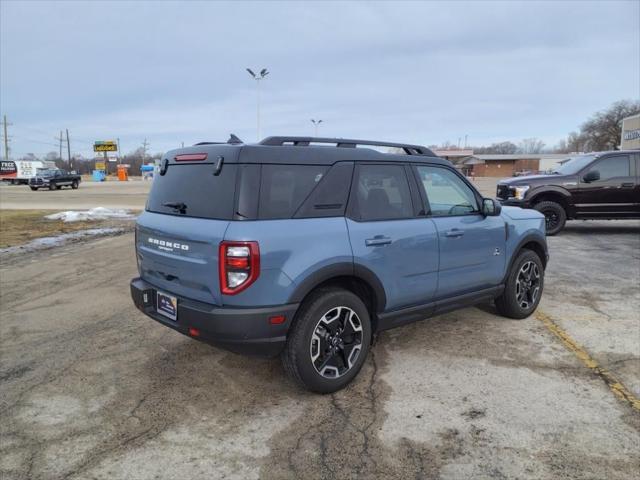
{"type": "Point", "coordinates": [600, 185]}
{"type": "Point", "coordinates": [306, 247]}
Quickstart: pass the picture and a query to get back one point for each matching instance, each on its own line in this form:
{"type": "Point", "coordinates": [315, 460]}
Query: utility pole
{"type": "Point", "coordinates": [145, 145]}
{"type": "Point", "coordinates": [68, 150]}
{"type": "Point", "coordinates": [6, 138]}
{"type": "Point", "coordinates": [60, 138]}
{"type": "Point", "coordinates": [119, 151]}
{"type": "Point", "coordinates": [258, 77]}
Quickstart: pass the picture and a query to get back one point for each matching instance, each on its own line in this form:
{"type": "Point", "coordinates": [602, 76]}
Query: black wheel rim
{"type": "Point", "coordinates": [552, 219]}
{"type": "Point", "coordinates": [528, 285]}
{"type": "Point", "coordinates": [336, 342]}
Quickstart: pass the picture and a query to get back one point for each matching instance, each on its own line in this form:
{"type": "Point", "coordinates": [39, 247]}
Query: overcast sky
{"type": "Point", "coordinates": [416, 72]}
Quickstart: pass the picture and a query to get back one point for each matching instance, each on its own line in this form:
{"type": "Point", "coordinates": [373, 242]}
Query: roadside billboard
{"type": "Point", "coordinates": [105, 146]}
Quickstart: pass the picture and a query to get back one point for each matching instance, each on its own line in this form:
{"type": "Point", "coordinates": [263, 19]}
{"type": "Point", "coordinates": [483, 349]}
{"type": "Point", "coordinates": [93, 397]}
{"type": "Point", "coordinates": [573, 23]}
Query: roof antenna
{"type": "Point", "coordinates": [233, 140]}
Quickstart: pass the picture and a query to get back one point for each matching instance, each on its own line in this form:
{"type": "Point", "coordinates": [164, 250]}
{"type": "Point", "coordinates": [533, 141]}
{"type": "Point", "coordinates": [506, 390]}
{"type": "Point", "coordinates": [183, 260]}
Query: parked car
{"type": "Point", "coordinates": [602, 185]}
{"type": "Point", "coordinates": [54, 179]}
{"type": "Point", "coordinates": [305, 251]}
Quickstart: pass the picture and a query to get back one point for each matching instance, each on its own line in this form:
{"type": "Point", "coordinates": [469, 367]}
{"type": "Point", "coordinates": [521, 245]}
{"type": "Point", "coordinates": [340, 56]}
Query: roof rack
{"type": "Point", "coordinates": [345, 143]}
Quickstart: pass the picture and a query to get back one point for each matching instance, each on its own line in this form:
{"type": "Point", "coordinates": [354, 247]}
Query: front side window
{"type": "Point", "coordinates": [382, 193]}
{"type": "Point", "coordinates": [446, 192]}
{"type": "Point", "coordinates": [612, 167]}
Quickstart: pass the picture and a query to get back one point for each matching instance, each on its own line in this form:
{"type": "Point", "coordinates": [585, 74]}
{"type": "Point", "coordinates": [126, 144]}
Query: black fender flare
{"type": "Point", "coordinates": [341, 269]}
{"type": "Point", "coordinates": [529, 238]}
{"type": "Point", "coordinates": [536, 192]}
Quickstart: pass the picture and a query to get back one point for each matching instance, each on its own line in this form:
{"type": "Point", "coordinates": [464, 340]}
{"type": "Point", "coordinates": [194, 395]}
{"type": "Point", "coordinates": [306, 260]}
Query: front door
{"type": "Point", "coordinates": [471, 245]}
{"type": "Point", "coordinates": [612, 191]}
{"type": "Point", "coordinates": [388, 238]}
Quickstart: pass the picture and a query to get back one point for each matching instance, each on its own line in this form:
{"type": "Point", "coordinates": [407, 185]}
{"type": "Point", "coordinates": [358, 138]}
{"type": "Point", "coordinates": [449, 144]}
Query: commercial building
{"type": "Point", "coordinates": [630, 133]}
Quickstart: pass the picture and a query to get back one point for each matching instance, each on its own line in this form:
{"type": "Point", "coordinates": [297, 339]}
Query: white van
{"type": "Point", "coordinates": [20, 171]}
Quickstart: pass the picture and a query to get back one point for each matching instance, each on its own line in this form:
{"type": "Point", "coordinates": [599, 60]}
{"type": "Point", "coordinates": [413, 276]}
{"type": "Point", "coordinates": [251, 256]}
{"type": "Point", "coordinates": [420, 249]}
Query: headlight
{"type": "Point", "coordinates": [520, 191]}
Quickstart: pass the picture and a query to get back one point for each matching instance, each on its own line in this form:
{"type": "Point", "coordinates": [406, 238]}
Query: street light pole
{"type": "Point", "coordinates": [316, 124]}
{"type": "Point", "coordinates": [258, 77]}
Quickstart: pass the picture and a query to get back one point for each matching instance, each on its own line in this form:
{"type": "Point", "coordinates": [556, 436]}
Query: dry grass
{"type": "Point", "coordinates": [21, 226]}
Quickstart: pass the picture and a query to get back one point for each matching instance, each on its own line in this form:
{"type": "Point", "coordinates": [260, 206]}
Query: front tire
{"type": "Point", "coordinates": [74, 185]}
{"type": "Point", "coordinates": [523, 288]}
{"type": "Point", "coordinates": [554, 216]}
{"type": "Point", "coordinates": [52, 186]}
{"type": "Point", "coordinates": [329, 340]}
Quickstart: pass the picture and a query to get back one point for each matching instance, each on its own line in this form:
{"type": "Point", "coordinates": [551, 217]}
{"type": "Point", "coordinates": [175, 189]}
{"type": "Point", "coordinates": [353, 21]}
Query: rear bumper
{"type": "Point", "coordinates": [241, 330]}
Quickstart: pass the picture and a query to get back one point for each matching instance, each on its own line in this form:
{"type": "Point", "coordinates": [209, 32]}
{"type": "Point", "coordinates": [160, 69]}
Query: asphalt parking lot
{"type": "Point", "coordinates": [93, 389]}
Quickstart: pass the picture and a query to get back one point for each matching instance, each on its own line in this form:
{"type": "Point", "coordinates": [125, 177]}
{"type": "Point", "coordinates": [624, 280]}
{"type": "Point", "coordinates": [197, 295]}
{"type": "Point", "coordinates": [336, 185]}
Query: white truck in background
{"type": "Point", "coordinates": [19, 172]}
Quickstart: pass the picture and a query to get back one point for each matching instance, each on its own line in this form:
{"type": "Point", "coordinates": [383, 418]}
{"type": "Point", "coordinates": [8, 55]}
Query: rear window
{"type": "Point", "coordinates": [283, 188]}
{"type": "Point", "coordinates": [197, 189]}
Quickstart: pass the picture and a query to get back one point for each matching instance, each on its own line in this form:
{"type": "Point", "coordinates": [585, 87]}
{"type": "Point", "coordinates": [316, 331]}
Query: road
{"type": "Point", "coordinates": [93, 389]}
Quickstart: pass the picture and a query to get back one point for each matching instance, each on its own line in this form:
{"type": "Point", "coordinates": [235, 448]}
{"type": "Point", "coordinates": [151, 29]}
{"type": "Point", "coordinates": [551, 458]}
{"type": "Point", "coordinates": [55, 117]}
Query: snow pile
{"type": "Point", "coordinates": [98, 213]}
{"type": "Point", "coordinates": [49, 242]}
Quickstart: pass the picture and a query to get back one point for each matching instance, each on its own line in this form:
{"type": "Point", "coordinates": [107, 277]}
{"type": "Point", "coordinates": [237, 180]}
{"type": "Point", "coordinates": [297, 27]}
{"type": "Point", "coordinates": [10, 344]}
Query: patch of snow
{"type": "Point", "coordinates": [98, 213]}
{"type": "Point", "coordinates": [58, 240]}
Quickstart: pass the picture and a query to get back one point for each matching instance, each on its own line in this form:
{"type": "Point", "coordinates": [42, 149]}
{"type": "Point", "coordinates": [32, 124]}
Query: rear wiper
{"type": "Point", "coordinates": [181, 207]}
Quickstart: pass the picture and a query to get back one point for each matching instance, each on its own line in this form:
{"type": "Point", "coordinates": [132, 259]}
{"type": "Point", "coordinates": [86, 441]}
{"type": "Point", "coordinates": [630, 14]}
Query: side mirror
{"type": "Point", "coordinates": [591, 176]}
{"type": "Point", "coordinates": [491, 207]}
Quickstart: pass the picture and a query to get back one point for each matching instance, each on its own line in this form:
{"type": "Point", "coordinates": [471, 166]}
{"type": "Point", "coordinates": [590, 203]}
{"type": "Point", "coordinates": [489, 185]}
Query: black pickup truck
{"type": "Point", "coordinates": [54, 179]}
{"type": "Point", "coordinates": [603, 185]}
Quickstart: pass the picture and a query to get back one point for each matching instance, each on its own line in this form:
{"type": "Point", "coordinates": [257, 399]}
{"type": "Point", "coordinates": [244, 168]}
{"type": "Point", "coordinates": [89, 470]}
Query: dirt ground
{"type": "Point", "coordinates": [91, 388]}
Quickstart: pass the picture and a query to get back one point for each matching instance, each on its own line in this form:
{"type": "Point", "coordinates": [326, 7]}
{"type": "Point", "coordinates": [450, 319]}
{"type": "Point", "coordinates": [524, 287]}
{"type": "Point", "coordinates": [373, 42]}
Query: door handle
{"type": "Point", "coordinates": [377, 240]}
{"type": "Point", "coordinates": [454, 233]}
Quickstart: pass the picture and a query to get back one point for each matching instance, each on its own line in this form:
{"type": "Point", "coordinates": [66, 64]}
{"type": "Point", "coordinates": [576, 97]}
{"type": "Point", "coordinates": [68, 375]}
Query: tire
{"type": "Point", "coordinates": [52, 186]}
{"type": "Point", "coordinates": [326, 315]}
{"type": "Point", "coordinates": [74, 185]}
{"type": "Point", "coordinates": [554, 215]}
{"type": "Point", "coordinates": [520, 297]}
{"type": "Point", "coordinates": [34, 188]}
{"type": "Point", "coordinates": [58, 187]}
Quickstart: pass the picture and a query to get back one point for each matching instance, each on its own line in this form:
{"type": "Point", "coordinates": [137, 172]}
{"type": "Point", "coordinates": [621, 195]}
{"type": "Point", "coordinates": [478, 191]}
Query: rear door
{"type": "Point", "coordinates": [388, 238]}
{"type": "Point", "coordinates": [613, 194]}
{"type": "Point", "coordinates": [177, 237]}
{"type": "Point", "coordinates": [471, 245]}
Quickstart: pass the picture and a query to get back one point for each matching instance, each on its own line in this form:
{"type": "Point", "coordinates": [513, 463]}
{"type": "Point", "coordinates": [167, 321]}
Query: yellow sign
{"type": "Point", "coordinates": [107, 146]}
{"type": "Point", "coordinates": [100, 166]}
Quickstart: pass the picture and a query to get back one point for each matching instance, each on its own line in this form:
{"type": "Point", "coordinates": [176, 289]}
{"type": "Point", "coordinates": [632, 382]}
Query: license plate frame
{"type": "Point", "coordinates": [167, 305]}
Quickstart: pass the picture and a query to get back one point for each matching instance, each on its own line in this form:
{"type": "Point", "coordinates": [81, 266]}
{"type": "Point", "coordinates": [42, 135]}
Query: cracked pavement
{"type": "Point", "coordinates": [90, 388]}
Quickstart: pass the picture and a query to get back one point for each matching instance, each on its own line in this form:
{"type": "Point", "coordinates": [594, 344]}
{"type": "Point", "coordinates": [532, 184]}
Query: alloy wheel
{"type": "Point", "coordinates": [336, 342]}
{"type": "Point", "coordinates": [528, 285]}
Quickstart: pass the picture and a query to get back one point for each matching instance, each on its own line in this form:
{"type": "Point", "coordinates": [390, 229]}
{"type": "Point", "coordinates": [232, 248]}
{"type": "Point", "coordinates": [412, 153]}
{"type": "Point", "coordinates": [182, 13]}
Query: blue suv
{"type": "Point", "coordinates": [307, 247]}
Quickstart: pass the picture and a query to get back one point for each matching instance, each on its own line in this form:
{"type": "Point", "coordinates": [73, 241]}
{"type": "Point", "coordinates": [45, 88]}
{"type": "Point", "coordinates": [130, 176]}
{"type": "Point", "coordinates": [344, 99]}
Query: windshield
{"type": "Point", "coordinates": [574, 164]}
{"type": "Point", "coordinates": [47, 172]}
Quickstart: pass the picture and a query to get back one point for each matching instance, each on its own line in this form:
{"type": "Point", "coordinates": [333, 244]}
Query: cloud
{"type": "Point", "coordinates": [418, 72]}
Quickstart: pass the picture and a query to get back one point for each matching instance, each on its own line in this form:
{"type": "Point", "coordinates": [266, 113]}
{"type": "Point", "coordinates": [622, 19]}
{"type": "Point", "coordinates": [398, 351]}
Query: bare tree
{"type": "Point", "coordinates": [531, 145]}
{"type": "Point", "coordinates": [604, 129]}
{"type": "Point", "coordinates": [497, 148]}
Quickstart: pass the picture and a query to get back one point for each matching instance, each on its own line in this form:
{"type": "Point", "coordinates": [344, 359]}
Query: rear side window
{"type": "Point", "coordinates": [283, 188]}
{"type": "Point", "coordinates": [197, 189]}
{"type": "Point", "coordinates": [382, 193]}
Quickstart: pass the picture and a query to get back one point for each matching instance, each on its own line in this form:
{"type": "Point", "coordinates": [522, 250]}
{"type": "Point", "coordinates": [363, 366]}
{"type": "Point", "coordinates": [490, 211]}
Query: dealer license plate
{"type": "Point", "coordinates": [167, 305]}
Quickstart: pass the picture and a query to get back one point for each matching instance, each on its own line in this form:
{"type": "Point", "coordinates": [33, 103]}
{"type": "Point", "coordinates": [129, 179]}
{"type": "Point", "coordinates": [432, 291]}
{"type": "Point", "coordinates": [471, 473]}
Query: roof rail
{"type": "Point", "coordinates": [346, 143]}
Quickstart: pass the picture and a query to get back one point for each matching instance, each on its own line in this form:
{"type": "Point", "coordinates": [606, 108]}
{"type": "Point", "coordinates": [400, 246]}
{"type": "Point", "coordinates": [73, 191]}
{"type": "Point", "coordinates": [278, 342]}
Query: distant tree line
{"type": "Point", "coordinates": [86, 166]}
{"type": "Point", "coordinates": [602, 131]}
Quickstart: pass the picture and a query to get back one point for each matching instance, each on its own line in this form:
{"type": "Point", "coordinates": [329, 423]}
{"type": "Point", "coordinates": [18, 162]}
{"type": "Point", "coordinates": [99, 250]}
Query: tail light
{"type": "Point", "coordinates": [238, 266]}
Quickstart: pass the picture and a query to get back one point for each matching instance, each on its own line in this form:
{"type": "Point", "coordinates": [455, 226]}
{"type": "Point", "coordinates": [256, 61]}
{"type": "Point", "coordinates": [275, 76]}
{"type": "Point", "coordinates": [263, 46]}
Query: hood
{"type": "Point", "coordinates": [532, 180]}
{"type": "Point", "coordinates": [517, 213]}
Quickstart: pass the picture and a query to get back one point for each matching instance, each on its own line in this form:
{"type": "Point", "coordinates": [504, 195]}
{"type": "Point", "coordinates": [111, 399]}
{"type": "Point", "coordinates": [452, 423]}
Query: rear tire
{"type": "Point", "coordinates": [554, 215]}
{"type": "Point", "coordinates": [74, 185]}
{"type": "Point", "coordinates": [34, 188]}
{"type": "Point", "coordinates": [523, 288]}
{"type": "Point", "coordinates": [329, 340]}
{"type": "Point", "coordinates": [52, 186]}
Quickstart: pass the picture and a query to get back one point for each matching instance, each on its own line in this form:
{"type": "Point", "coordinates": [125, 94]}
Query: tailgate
{"type": "Point", "coordinates": [180, 254]}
